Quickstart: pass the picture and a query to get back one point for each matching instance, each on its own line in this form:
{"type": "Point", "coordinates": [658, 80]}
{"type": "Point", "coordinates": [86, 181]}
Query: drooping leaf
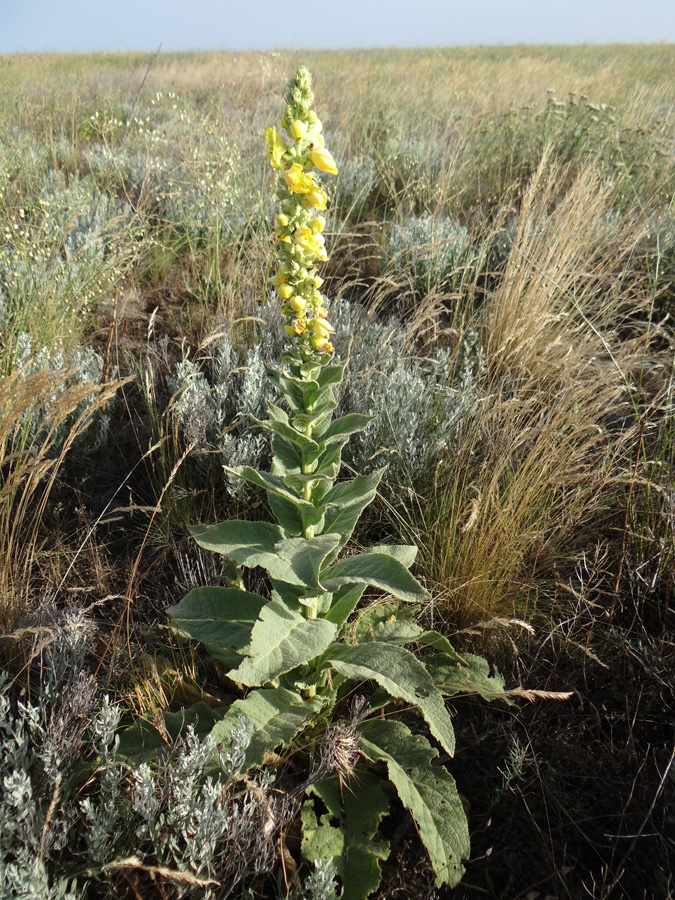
{"type": "Point", "coordinates": [288, 433]}
{"type": "Point", "coordinates": [404, 553]}
{"type": "Point", "coordinates": [400, 673]}
{"type": "Point", "coordinates": [278, 716]}
{"type": "Point", "coordinates": [273, 484]}
{"type": "Point", "coordinates": [220, 617]}
{"type": "Point", "coordinates": [439, 642]}
{"type": "Point", "coordinates": [472, 676]}
{"type": "Point", "coordinates": [347, 425]}
{"type": "Point", "coordinates": [245, 542]}
{"type": "Point", "coordinates": [351, 843]}
{"type": "Point", "coordinates": [376, 569]}
{"type": "Point", "coordinates": [281, 640]}
{"type": "Point", "coordinates": [428, 792]}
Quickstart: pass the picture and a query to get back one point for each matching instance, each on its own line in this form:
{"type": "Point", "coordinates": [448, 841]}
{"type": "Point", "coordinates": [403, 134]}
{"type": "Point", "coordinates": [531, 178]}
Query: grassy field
{"type": "Point", "coordinates": [501, 236]}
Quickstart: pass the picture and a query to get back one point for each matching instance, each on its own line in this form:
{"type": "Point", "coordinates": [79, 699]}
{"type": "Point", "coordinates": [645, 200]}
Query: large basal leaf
{"type": "Point", "coordinates": [376, 569]}
{"type": "Point", "coordinates": [428, 792]}
{"type": "Point", "coordinates": [143, 741]}
{"type": "Point", "coordinates": [441, 643]}
{"type": "Point", "coordinates": [402, 675]}
{"type": "Point", "coordinates": [351, 843]}
{"type": "Point", "coordinates": [218, 616]}
{"type": "Point", "coordinates": [278, 715]}
{"type": "Point", "coordinates": [281, 640]}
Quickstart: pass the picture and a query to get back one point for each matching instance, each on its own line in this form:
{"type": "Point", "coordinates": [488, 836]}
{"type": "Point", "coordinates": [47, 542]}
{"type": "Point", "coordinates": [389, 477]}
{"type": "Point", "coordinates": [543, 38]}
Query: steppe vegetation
{"type": "Point", "coordinates": [501, 242]}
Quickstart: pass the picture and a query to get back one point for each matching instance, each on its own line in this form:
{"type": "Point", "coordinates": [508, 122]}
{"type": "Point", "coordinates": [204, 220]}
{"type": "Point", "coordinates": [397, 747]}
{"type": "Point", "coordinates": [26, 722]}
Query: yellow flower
{"type": "Point", "coordinates": [278, 279]}
{"type": "Point", "coordinates": [321, 344]}
{"type": "Point", "coordinates": [318, 281]}
{"type": "Point", "coordinates": [317, 225]}
{"type": "Point", "coordinates": [298, 326]}
{"type": "Point", "coordinates": [285, 291]}
{"type": "Point", "coordinates": [298, 180]}
{"type": "Point", "coordinates": [298, 129]}
{"type": "Point", "coordinates": [317, 197]}
{"type": "Point", "coordinates": [323, 160]}
{"type": "Point", "coordinates": [314, 243]}
{"type": "Point", "coordinates": [275, 147]}
{"type": "Point", "coordinates": [321, 327]}
{"type": "Point", "coordinates": [297, 304]}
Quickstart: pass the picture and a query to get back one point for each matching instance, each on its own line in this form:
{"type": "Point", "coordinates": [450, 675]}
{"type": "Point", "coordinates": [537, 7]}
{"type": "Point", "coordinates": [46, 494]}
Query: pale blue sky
{"type": "Point", "coordinates": [81, 25]}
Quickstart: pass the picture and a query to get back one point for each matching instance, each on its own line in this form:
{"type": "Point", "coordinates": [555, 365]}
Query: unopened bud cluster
{"type": "Point", "coordinates": [299, 225]}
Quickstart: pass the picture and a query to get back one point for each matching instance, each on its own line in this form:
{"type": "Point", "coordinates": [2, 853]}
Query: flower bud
{"type": "Point", "coordinates": [281, 220]}
{"type": "Point", "coordinates": [323, 160]}
{"type": "Point", "coordinates": [285, 291]}
{"type": "Point", "coordinates": [297, 304]}
{"type": "Point", "coordinates": [318, 281]}
{"type": "Point", "coordinates": [317, 225]}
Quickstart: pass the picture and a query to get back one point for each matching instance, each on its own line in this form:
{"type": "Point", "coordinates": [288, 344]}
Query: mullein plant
{"type": "Point", "coordinates": [300, 651]}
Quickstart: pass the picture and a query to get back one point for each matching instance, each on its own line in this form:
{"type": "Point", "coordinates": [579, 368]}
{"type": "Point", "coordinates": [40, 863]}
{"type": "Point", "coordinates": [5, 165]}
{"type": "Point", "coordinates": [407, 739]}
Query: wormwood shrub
{"type": "Point", "coordinates": [73, 815]}
{"type": "Point", "coordinates": [301, 651]}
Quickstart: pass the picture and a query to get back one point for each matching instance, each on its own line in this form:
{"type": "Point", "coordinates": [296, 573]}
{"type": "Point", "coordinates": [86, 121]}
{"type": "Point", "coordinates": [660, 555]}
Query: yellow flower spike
{"type": "Point", "coordinates": [298, 129]}
{"type": "Point", "coordinates": [299, 181]}
{"type": "Point", "coordinates": [285, 291]}
{"type": "Point", "coordinates": [323, 160]}
{"type": "Point", "coordinates": [317, 225]}
{"type": "Point", "coordinates": [316, 196]}
{"type": "Point", "coordinates": [275, 147]}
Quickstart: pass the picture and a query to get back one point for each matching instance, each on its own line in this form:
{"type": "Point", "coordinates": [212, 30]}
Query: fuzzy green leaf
{"type": "Point", "coordinates": [281, 640]}
{"type": "Point", "coordinates": [346, 501]}
{"type": "Point", "coordinates": [404, 553]}
{"type": "Point", "coordinates": [248, 543]}
{"type": "Point", "coordinates": [290, 434]}
{"type": "Point", "coordinates": [344, 603]}
{"type": "Point", "coordinates": [402, 675]}
{"type": "Point", "coordinates": [286, 514]}
{"type": "Point", "coordinates": [287, 457]}
{"type": "Point", "coordinates": [219, 617]}
{"type": "Point", "coordinates": [347, 425]}
{"type": "Point", "coordinates": [278, 716]}
{"type": "Point", "coordinates": [305, 556]}
{"type": "Point", "coordinates": [471, 677]}
{"type": "Point", "coordinates": [273, 484]}
{"type": "Point", "coordinates": [428, 792]}
{"type": "Point", "coordinates": [355, 852]}
{"type": "Point", "coordinates": [439, 642]}
{"type": "Point", "coordinates": [236, 538]}
{"type": "Point", "coordinates": [376, 569]}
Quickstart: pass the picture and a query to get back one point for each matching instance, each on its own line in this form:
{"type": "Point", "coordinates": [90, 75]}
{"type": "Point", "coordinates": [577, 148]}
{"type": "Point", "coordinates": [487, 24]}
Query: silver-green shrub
{"type": "Point", "coordinates": [70, 806]}
{"type": "Point", "coordinates": [429, 252]}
